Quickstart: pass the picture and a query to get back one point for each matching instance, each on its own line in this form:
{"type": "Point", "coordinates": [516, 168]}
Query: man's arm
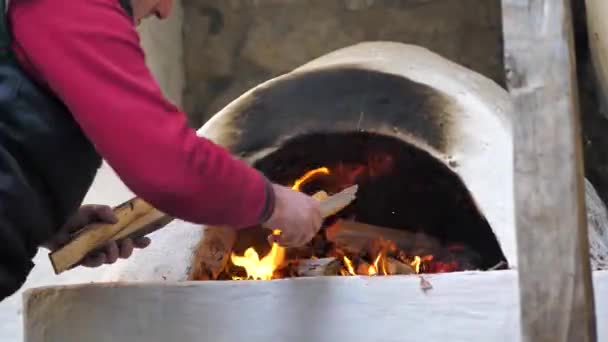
{"type": "Point", "coordinates": [88, 53]}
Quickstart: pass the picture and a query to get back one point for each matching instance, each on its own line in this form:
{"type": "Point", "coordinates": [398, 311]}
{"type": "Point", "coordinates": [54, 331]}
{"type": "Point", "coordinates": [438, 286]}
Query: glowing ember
{"type": "Point", "coordinates": [264, 269]}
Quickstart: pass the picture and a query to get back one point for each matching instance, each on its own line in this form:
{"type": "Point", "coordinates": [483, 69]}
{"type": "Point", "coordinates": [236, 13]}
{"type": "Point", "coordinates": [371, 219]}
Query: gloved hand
{"type": "Point", "coordinates": [94, 213]}
{"type": "Point", "coordinates": [296, 214]}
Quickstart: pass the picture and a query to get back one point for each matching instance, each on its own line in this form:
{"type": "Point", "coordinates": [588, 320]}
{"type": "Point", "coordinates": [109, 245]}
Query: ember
{"type": "Point", "coordinates": [349, 248]}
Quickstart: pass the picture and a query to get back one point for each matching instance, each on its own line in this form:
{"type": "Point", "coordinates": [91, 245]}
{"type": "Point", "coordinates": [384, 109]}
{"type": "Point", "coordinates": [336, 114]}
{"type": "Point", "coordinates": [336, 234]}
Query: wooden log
{"type": "Point", "coordinates": [396, 267]}
{"type": "Point", "coordinates": [212, 253]}
{"type": "Point", "coordinates": [356, 236]}
{"type": "Point", "coordinates": [144, 225]}
{"type": "Point", "coordinates": [333, 204]}
{"type": "Point", "coordinates": [132, 220]}
{"type": "Point", "coordinates": [554, 272]}
{"type": "Point", "coordinates": [318, 267]}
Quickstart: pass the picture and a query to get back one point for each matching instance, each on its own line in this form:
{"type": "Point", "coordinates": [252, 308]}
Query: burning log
{"type": "Point", "coordinates": [356, 236]}
{"type": "Point", "coordinates": [318, 267]}
{"type": "Point", "coordinates": [212, 253]}
{"type": "Point", "coordinates": [396, 267]}
{"type": "Point", "coordinates": [364, 268]}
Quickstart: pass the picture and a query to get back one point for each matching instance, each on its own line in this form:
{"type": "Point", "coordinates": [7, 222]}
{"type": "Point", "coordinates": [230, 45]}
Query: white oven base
{"type": "Point", "coordinates": [468, 306]}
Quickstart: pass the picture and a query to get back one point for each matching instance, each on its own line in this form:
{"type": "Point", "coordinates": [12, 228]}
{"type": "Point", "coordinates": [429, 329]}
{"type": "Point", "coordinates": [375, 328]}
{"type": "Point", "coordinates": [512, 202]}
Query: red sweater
{"type": "Point", "coordinates": [88, 53]}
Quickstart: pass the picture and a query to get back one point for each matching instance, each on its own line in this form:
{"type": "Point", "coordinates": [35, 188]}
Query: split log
{"type": "Point", "coordinates": [356, 236]}
{"type": "Point", "coordinates": [212, 253]}
{"type": "Point", "coordinates": [135, 218]}
{"type": "Point", "coordinates": [333, 204]}
{"type": "Point", "coordinates": [318, 267]}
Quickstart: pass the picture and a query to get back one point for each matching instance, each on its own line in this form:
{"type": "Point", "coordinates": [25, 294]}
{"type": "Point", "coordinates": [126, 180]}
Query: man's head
{"type": "Point", "coordinates": [143, 9]}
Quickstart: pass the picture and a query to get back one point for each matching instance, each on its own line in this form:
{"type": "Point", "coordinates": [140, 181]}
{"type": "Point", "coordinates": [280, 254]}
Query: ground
{"type": "Point", "coordinates": [107, 189]}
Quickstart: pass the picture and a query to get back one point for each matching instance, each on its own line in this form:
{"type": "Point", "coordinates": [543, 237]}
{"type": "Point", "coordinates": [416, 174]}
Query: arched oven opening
{"type": "Point", "coordinates": [412, 213]}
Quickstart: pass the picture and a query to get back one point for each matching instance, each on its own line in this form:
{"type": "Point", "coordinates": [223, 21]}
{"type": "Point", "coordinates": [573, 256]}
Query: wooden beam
{"type": "Point", "coordinates": [553, 250]}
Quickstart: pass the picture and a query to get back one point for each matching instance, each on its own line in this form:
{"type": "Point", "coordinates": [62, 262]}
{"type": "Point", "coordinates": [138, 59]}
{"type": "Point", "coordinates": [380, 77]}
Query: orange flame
{"type": "Point", "coordinates": [264, 269]}
{"type": "Point", "coordinates": [308, 175]}
{"type": "Point", "coordinates": [260, 269]}
{"type": "Point", "coordinates": [349, 267]}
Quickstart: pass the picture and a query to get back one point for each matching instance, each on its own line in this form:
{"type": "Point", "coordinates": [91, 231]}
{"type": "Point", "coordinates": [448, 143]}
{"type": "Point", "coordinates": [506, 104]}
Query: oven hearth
{"type": "Point", "coordinates": [412, 214]}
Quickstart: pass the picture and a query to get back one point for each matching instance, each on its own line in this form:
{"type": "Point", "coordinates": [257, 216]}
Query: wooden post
{"type": "Point", "coordinates": [553, 251]}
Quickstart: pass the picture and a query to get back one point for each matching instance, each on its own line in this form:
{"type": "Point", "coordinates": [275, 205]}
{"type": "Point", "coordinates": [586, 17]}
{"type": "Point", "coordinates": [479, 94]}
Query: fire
{"type": "Point", "coordinates": [264, 269]}
{"type": "Point", "coordinates": [260, 269]}
{"type": "Point", "coordinates": [381, 258]}
{"type": "Point", "coordinates": [349, 267]}
{"type": "Point", "coordinates": [380, 265]}
{"type": "Point", "coordinates": [308, 175]}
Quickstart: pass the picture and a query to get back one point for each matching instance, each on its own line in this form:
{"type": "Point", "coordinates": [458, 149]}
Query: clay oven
{"type": "Point", "coordinates": [430, 155]}
{"type": "Point", "coordinates": [427, 141]}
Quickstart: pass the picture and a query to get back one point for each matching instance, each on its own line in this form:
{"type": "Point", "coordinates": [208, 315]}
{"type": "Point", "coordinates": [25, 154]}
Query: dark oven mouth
{"type": "Point", "coordinates": [411, 209]}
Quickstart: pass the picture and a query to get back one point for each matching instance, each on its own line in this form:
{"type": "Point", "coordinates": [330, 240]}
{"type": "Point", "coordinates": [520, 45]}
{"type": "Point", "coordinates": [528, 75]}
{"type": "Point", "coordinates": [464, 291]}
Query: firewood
{"type": "Point", "coordinates": [135, 218]}
{"type": "Point", "coordinates": [333, 204]}
{"type": "Point", "coordinates": [320, 196]}
{"type": "Point", "coordinates": [363, 268]}
{"type": "Point", "coordinates": [318, 267]}
{"type": "Point", "coordinates": [212, 253]}
{"type": "Point", "coordinates": [356, 236]}
{"type": "Point", "coordinates": [144, 225]}
{"type": "Point", "coordinates": [396, 267]}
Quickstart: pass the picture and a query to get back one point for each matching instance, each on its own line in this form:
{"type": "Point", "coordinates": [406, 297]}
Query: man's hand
{"type": "Point", "coordinates": [96, 214]}
{"type": "Point", "coordinates": [297, 215]}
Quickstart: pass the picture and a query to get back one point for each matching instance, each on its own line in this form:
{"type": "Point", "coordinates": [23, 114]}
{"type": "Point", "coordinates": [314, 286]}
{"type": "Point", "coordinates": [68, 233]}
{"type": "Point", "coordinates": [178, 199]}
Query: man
{"type": "Point", "coordinates": [74, 88]}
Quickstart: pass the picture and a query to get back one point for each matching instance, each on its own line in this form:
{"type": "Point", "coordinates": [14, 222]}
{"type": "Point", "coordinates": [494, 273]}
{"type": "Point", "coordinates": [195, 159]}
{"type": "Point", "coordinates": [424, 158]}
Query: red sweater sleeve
{"type": "Point", "coordinates": [88, 54]}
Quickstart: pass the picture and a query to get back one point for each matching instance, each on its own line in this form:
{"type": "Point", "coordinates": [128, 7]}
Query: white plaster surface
{"type": "Point", "coordinates": [461, 307]}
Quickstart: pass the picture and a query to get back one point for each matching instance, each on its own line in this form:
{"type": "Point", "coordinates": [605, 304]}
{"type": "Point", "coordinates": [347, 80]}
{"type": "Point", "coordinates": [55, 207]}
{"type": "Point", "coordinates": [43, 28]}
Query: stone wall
{"type": "Point", "coordinates": [163, 44]}
{"type": "Point", "coordinates": [231, 46]}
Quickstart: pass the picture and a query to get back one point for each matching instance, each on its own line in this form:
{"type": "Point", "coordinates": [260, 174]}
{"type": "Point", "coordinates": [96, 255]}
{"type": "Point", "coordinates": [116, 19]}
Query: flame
{"type": "Point", "coordinates": [349, 267]}
{"type": "Point", "coordinates": [416, 264]}
{"type": "Point", "coordinates": [260, 269]}
{"type": "Point", "coordinates": [264, 269]}
{"type": "Point", "coordinates": [322, 170]}
{"type": "Point", "coordinates": [372, 270]}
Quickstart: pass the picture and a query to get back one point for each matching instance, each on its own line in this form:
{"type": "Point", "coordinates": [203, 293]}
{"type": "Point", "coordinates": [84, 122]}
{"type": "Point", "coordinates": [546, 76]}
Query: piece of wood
{"type": "Point", "coordinates": [96, 235]}
{"type": "Point", "coordinates": [333, 204]}
{"type": "Point", "coordinates": [212, 253]}
{"type": "Point", "coordinates": [396, 267]}
{"type": "Point", "coordinates": [553, 249]}
{"type": "Point", "coordinates": [152, 221]}
{"type": "Point", "coordinates": [356, 236]}
{"type": "Point", "coordinates": [318, 267]}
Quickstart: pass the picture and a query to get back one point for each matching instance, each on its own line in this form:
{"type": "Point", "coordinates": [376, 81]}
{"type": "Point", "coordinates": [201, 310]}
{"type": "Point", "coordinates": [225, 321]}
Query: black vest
{"type": "Point", "coordinates": [46, 165]}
